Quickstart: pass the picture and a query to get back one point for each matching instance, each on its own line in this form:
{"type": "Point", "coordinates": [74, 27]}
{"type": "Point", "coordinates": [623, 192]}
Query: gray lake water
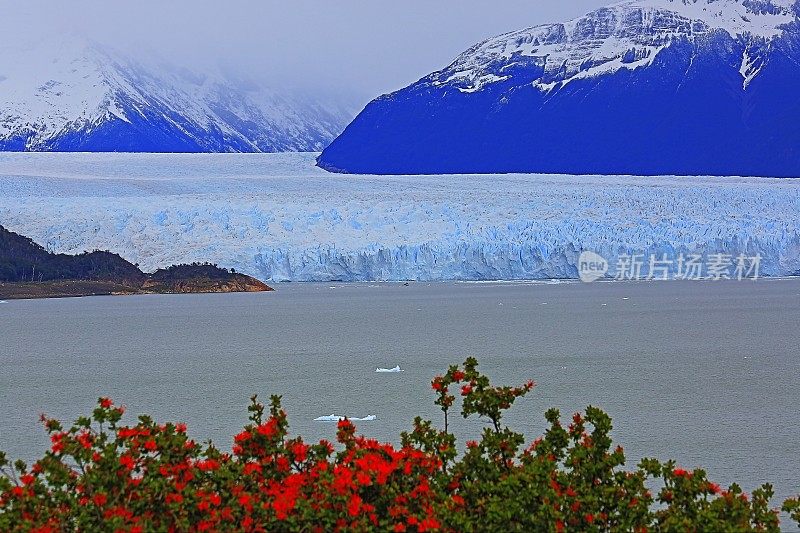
{"type": "Point", "coordinates": [702, 372]}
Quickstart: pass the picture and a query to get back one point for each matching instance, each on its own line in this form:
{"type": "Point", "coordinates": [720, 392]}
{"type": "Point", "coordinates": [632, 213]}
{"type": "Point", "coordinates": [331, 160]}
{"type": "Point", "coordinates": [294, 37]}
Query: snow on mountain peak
{"type": "Point", "coordinates": [73, 94]}
{"type": "Point", "coordinates": [629, 34]}
{"type": "Point", "coordinates": [45, 92]}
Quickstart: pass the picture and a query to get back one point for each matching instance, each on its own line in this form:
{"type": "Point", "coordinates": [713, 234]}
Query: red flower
{"type": "Point", "coordinates": [269, 428]}
{"type": "Point", "coordinates": [85, 439]}
{"type": "Point", "coordinates": [283, 464]}
{"type": "Point", "coordinates": [150, 445]}
{"type": "Point", "coordinates": [354, 506]}
{"type": "Point", "coordinates": [251, 468]}
{"type": "Point", "coordinates": [680, 472]}
{"type": "Point", "coordinates": [180, 427]}
{"type": "Point", "coordinates": [466, 389]}
{"type": "Point", "coordinates": [429, 523]}
{"type": "Point", "coordinates": [105, 403]}
{"type": "Point", "coordinates": [173, 498]}
{"type": "Point", "coordinates": [283, 504]}
{"type": "Point", "coordinates": [126, 433]}
{"type": "Point", "coordinates": [458, 375]}
{"type": "Point", "coordinates": [342, 478]}
{"type": "Point", "coordinates": [244, 501]}
{"type": "Point", "coordinates": [363, 478]}
{"type": "Point", "coordinates": [299, 450]}
{"type": "Point", "coordinates": [208, 465]}
{"type": "Point", "coordinates": [100, 499]}
{"type": "Point", "coordinates": [327, 445]}
{"type": "Point", "coordinates": [589, 518]}
{"type": "Point", "coordinates": [714, 488]}
{"type": "Point", "coordinates": [127, 461]}
{"type": "Point", "coordinates": [437, 385]}
{"type": "Point", "coordinates": [244, 436]}
{"type": "Point", "coordinates": [58, 442]}
{"type": "Point", "coordinates": [27, 479]}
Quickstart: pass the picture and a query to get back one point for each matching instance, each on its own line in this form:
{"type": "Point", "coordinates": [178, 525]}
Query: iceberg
{"type": "Point", "coordinates": [337, 418]}
{"type": "Point", "coordinates": [392, 370]}
{"type": "Point", "coordinates": [278, 218]}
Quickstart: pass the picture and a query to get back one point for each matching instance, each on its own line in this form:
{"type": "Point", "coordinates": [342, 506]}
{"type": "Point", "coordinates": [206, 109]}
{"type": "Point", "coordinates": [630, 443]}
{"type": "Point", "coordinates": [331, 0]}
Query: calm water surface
{"type": "Point", "coordinates": [705, 373]}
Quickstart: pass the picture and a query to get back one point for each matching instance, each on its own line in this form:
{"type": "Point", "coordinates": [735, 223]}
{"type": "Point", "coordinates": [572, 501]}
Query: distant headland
{"type": "Point", "coordinates": [27, 270]}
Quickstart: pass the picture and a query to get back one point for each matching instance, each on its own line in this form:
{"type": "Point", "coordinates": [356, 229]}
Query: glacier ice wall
{"type": "Point", "coordinates": [277, 217]}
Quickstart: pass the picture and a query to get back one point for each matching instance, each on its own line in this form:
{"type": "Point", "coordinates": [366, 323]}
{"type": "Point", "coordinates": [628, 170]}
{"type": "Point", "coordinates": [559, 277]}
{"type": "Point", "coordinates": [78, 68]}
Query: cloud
{"type": "Point", "coordinates": [365, 46]}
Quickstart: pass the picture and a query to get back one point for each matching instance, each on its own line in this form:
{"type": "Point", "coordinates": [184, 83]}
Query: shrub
{"type": "Point", "coordinates": [101, 475]}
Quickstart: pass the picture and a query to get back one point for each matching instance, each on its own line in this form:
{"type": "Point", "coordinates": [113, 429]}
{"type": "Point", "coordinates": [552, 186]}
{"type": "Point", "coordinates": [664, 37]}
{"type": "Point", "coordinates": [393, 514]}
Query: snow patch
{"type": "Point", "coordinates": [627, 35]}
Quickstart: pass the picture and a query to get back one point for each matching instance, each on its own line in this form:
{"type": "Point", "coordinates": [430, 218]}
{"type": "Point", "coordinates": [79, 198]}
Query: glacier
{"type": "Point", "coordinates": [280, 218]}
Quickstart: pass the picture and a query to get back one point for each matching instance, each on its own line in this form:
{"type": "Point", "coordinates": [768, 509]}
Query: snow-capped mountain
{"type": "Point", "coordinates": [75, 95]}
{"type": "Point", "coordinates": [688, 87]}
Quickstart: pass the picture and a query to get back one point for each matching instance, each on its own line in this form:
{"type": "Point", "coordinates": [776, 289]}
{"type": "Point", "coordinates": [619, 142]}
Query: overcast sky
{"type": "Point", "coordinates": [367, 46]}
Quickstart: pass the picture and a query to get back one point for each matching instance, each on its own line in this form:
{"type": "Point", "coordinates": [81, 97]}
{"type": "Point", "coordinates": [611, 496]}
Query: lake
{"type": "Point", "coordinates": [702, 372]}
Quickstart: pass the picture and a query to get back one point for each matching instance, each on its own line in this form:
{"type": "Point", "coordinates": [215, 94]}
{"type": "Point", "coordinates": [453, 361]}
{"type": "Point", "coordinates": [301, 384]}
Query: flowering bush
{"type": "Point", "coordinates": [101, 475]}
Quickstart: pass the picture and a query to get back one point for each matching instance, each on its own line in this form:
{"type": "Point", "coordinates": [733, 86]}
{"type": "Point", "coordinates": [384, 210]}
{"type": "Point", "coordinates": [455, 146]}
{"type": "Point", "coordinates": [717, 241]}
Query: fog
{"type": "Point", "coordinates": [362, 46]}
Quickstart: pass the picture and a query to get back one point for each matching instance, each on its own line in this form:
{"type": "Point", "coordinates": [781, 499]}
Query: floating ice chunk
{"type": "Point", "coordinates": [336, 418]}
{"type": "Point", "coordinates": [389, 370]}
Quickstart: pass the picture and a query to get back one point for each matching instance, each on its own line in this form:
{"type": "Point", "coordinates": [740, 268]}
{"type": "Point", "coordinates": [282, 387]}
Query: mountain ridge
{"type": "Point", "coordinates": [76, 95]}
{"type": "Point", "coordinates": [647, 87]}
